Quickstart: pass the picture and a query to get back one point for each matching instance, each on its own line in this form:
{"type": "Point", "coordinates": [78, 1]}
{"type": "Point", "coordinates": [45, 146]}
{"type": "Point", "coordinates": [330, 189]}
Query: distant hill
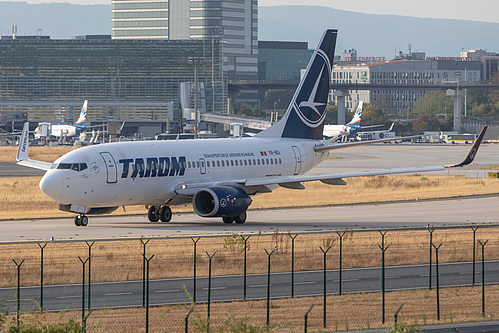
{"type": "Point", "coordinates": [370, 35]}
{"type": "Point", "coordinates": [376, 35]}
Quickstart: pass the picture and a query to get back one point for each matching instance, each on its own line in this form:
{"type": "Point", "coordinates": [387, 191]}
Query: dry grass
{"type": "Point", "coordinates": [22, 198]}
{"type": "Point", "coordinates": [173, 258]}
{"type": "Point", "coordinates": [346, 312]}
{"type": "Point", "coordinates": [47, 154]}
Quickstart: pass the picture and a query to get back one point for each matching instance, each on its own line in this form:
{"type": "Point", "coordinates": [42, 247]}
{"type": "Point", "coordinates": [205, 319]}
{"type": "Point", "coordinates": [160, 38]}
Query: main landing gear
{"type": "Point", "coordinates": [81, 220]}
{"type": "Point", "coordinates": [156, 213]}
{"type": "Point", "coordinates": [239, 219]}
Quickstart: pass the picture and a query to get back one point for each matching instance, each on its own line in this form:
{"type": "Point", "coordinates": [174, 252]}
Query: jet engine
{"type": "Point", "coordinates": [220, 201]}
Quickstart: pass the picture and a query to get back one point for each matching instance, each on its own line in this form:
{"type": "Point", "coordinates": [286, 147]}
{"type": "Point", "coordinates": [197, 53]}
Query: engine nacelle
{"type": "Point", "coordinates": [220, 201]}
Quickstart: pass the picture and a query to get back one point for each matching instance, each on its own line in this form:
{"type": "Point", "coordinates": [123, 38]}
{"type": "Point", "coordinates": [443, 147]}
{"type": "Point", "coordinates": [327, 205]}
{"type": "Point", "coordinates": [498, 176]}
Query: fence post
{"type": "Point", "coordinates": [83, 322]}
{"type": "Point", "coordinates": [430, 230]}
{"type": "Point", "coordinates": [18, 301]}
{"type": "Point", "coordinates": [397, 314]}
{"type": "Point", "coordinates": [383, 249]}
{"type": "Point", "coordinates": [209, 290]}
{"type": "Point", "coordinates": [41, 275]}
{"type": "Point", "coordinates": [147, 292]}
{"type": "Point", "coordinates": [89, 270]}
{"type": "Point", "coordinates": [187, 320]}
{"type": "Point", "coordinates": [245, 250]}
{"type": "Point", "coordinates": [144, 270]}
{"type": "Point", "coordinates": [438, 282]}
{"type": "Point", "coordinates": [341, 259]}
{"type": "Point", "coordinates": [268, 285]}
{"type": "Point", "coordinates": [306, 318]}
{"type": "Point", "coordinates": [292, 263]}
{"type": "Point", "coordinates": [194, 275]}
{"type": "Point", "coordinates": [474, 252]}
{"type": "Point", "coordinates": [325, 285]}
{"type": "Point", "coordinates": [483, 275]}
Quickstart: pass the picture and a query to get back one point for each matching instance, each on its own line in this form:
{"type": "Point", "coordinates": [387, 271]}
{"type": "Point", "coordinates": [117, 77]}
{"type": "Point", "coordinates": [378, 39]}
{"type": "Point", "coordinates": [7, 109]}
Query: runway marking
{"type": "Point", "coordinates": [216, 288]}
{"type": "Point", "coordinates": [167, 291]}
{"type": "Point", "coordinates": [349, 280]}
{"type": "Point", "coordinates": [118, 294]}
{"type": "Point", "coordinates": [310, 282]}
{"type": "Point", "coordinates": [257, 286]}
{"type": "Point", "coordinates": [62, 297]}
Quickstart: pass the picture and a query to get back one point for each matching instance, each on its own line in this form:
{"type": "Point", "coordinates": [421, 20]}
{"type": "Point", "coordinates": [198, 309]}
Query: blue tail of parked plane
{"type": "Point", "coordinates": [306, 113]}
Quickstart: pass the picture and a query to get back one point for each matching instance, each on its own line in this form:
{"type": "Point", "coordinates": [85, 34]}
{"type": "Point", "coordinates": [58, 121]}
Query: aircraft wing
{"type": "Point", "coordinates": [336, 178]}
{"type": "Point", "coordinates": [35, 164]}
{"type": "Point", "coordinates": [22, 152]}
{"type": "Point", "coordinates": [361, 143]}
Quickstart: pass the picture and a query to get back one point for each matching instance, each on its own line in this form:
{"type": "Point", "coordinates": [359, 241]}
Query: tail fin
{"type": "Point", "coordinates": [305, 115]}
{"type": "Point", "coordinates": [355, 122]}
{"type": "Point", "coordinates": [83, 115]}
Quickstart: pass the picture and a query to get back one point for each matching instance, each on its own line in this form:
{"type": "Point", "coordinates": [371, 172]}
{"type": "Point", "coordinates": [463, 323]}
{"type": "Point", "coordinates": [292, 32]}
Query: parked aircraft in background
{"type": "Point", "coordinates": [48, 130]}
{"type": "Point", "coordinates": [217, 176]}
{"type": "Point", "coordinates": [335, 132]}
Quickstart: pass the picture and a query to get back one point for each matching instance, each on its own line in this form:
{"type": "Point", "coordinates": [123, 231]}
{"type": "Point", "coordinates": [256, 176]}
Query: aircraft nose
{"type": "Point", "coordinates": [52, 184]}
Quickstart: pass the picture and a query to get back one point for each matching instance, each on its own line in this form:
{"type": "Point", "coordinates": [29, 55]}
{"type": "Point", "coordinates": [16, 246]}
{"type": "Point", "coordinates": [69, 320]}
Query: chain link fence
{"type": "Point", "coordinates": [330, 281]}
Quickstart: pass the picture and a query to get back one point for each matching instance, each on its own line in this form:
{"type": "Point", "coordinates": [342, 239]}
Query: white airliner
{"type": "Point", "coordinates": [58, 130]}
{"type": "Point", "coordinates": [335, 132]}
{"type": "Point", "coordinates": [218, 176]}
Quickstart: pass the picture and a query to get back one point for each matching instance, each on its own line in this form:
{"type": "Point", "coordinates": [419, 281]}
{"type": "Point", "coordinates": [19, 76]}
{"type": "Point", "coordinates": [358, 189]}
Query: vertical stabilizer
{"type": "Point", "coordinates": [83, 115]}
{"type": "Point", "coordinates": [355, 122]}
{"type": "Point", "coordinates": [305, 115]}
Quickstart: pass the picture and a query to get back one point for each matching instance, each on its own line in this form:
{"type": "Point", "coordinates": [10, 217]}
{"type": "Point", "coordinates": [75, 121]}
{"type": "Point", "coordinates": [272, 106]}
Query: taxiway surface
{"type": "Point", "coordinates": [388, 215]}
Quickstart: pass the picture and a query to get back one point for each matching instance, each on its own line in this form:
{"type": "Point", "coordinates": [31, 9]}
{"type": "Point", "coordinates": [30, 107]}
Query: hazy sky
{"type": "Point", "coordinates": [476, 10]}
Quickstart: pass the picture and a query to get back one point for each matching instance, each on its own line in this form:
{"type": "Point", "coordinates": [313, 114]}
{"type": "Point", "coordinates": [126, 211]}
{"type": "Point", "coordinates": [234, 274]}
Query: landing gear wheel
{"type": "Point", "coordinates": [153, 214]}
{"type": "Point", "coordinates": [240, 219]}
{"type": "Point", "coordinates": [228, 219]}
{"type": "Point", "coordinates": [83, 220]}
{"type": "Point", "coordinates": [77, 221]}
{"type": "Point", "coordinates": [165, 214]}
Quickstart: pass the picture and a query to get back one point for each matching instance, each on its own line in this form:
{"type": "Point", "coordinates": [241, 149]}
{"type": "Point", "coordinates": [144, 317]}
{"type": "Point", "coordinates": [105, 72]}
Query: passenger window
{"type": "Point", "coordinates": [218, 164]}
{"type": "Point", "coordinates": [231, 162]}
{"type": "Point", "coordinates": [197, 164]}
{"type": "Point", "coordinates": [272, 161]}
{"type": "Point", "coordinates": [189, 164]}
{"type": "Point", "coordinates": [235, 162]}
{"type": "Point", "coordinates": [245, 162]}
{"type": "Point", "coordinates": [280, 161]}
{"type": "Point", "coordinates": [208, 164]}
{"type": "Point", "coordinates": [267, 162]}
{"type": "Point", "coordinates": [258, 161]}
{"type": "Point", "coordinates": [249, 162]}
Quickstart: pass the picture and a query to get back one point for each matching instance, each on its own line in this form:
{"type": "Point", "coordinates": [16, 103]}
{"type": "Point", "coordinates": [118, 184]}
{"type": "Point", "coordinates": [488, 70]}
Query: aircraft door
{"type": "Point", "coordinates": [202, 166]}
{"type": "Point", "coordinates": [296, 151]}
{"type": "Point", "coordinates": [112, 172]}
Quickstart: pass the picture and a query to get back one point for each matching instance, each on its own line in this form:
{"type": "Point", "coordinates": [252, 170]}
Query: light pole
{"type": "Point", "coordinates": [196, 62]}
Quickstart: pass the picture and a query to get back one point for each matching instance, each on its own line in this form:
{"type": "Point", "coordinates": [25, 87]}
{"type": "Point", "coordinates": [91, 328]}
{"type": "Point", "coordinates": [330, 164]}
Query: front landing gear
{"type": "Point", "coordinates": [157, 213]}
{"type": "Point", "coordinates": [81, 220]}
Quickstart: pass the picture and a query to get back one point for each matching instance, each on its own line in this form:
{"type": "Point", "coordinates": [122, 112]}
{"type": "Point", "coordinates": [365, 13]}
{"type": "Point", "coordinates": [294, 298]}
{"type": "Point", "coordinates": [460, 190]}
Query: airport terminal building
{"type": "Point", "coordinates": [121, 79]}
{"type": "Point", "coordinates": [402, 72]}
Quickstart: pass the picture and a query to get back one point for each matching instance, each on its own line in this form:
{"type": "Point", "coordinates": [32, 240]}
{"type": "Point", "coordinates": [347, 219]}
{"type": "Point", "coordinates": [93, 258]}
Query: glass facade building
{"type": "Point", "coordinates": [49, 78]}
{"type": "Point", "coordinates": [282, 61]}
{"type": "Point", "coordinates": [235, 22]}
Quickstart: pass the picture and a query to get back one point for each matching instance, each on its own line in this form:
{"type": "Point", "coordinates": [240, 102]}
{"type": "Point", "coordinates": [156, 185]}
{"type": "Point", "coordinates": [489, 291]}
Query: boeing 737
{"type": "Point", "coordinates": [59, 130]}
{"type": "Point", "coordinates": [217, 176]}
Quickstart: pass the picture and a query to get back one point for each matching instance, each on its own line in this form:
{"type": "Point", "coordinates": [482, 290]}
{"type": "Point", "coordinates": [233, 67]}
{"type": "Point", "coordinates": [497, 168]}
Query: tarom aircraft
{"type": "Point", "coordinates": [218, 176]}
{"type": "Point", "coordinates": [58, 130]}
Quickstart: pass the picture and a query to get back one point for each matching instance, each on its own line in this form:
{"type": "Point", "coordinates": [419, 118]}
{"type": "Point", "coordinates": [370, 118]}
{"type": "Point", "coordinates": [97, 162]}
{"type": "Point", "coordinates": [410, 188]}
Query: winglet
{"type": "Point", "coordinates": [22, 151]}
{"type": "Point", "coordinates": [472, 153]}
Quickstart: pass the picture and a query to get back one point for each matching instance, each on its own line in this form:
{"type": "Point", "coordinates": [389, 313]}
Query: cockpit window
{"type": "Point", "coordinates": [69, 166]}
